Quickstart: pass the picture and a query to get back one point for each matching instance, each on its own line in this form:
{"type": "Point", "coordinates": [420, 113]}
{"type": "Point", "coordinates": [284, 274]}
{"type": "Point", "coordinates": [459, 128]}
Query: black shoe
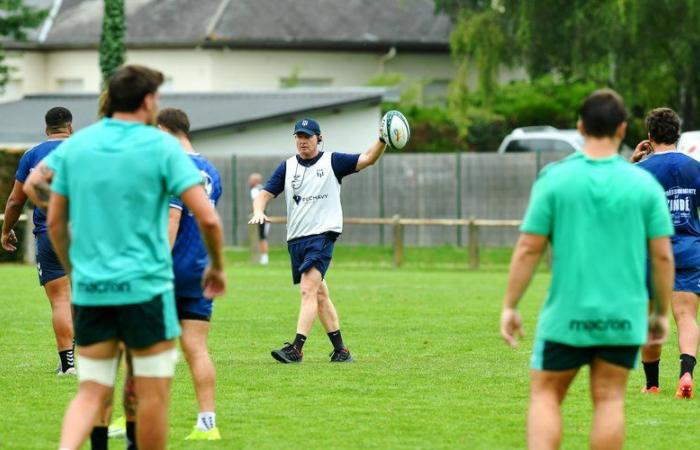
{"type": "Point", "coordinates": [341, 356]}
{"type": "Point", "coordinates": [288, 354]}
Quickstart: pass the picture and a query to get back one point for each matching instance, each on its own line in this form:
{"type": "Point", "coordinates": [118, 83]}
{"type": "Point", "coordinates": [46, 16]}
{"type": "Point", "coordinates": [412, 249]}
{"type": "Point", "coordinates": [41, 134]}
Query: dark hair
{"type": "Point", "coordinates": [129, 86]}
{"type": "Point", "coordinates": [602, 113]}
{"type": "Point", "coordinates": [663, 125]}
{"type": "Point", "coordinates": [57, 119]}
{"type": "Point", "coordinates": [174, 120]}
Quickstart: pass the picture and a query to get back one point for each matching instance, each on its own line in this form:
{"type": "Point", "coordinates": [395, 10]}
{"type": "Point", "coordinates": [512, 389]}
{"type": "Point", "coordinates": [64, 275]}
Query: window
{"type": "Point", "coordinates": [70, 85]}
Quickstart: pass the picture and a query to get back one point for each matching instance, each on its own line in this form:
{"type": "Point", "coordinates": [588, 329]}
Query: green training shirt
{"type": "Point", "coordinates": [599, 215]}
{"type": "Point", "coordinates": [118, 177]}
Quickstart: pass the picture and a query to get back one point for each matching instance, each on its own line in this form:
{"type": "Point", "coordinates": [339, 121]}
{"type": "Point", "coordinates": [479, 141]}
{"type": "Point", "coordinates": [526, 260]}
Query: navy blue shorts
{"type": "Point", "coordinates": [194, 308]}
{"type": "Point", "coordinates": [311, 251]}
{"type": "Point", "coordinates": [47, 263]}
{"type": "Point", "coordinates": [685, 280]}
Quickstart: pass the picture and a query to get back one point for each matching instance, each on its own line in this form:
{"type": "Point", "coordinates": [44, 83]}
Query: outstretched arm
{"type": "Point", "coordinates": [371, 155]}
{"type": "Point", "coordinates": [527, 254]}
{"type": "Point", "coordinates": [13, 209]}
{"type": "Point", "coordinates": [259, 206]}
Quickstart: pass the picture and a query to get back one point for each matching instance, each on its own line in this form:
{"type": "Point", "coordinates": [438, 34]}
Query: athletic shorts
{"type": "Point", "coordinates": [556, 357]}
{"type": "Point", "coordinates": [685, 280]}
{"type": "Point", "coordinates": [139, 325]}
{"type": "Point", "coordinates": [47, 263]}
{"type": "Point", "coordinates": [311, 251]}
{"type": "Point", "coordinates": [263, 231]}
{"type": "Point", "coordinates": [194, 308]}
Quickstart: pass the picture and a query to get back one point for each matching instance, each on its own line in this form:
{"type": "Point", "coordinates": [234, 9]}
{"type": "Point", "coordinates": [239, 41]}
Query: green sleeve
{"type": "Point", "coordinates": [539, 214]}
{"type": "Point", "coordinates": [657, 218]}
{"type": "Point", "coordinates": [55, 161]}
{"type": "Point", "coordinates": [180, 173]}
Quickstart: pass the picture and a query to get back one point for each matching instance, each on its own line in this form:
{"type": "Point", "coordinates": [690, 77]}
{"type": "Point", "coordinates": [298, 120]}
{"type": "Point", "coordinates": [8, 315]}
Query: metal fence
{"type": "Point", "coordinates": [426, 186]}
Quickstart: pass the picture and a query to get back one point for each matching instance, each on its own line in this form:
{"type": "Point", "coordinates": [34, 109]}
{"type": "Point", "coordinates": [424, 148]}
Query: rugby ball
{"type": "Point", "coordinates": [395, 130]}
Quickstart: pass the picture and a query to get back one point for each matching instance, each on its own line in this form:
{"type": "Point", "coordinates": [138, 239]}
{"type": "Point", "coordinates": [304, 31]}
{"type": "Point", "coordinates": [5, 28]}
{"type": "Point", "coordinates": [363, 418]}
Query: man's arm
{"type": "Point", "coordinates": [214, 281]}
{"type": "Point", "coordinates": [526, 255]}
{"type": "Point", "coordinates": [38, 185]}
{"type": "Point", "coordinates": [174, 216]}
{"type": "Point", "coordinates": [259, 206]}
{"type": "Point", "coordinates": [371, 155]}
{"type": "Point", "coordinates": [662, 274]}
{"type": "Point", "coordinates": [13, 209]}
{"type": "Point", "coordinates": [57, 223]}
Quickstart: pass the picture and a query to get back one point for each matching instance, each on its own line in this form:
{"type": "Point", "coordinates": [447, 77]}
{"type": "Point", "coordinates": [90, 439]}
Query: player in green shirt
{"type": "Point", "coordinates": [112, 182]}
{"type": "Point", "coordinates": [602, 216]}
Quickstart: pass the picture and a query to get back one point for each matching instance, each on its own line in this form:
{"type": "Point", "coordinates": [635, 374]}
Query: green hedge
{"type": "Point", "coordinates": [9, 159]}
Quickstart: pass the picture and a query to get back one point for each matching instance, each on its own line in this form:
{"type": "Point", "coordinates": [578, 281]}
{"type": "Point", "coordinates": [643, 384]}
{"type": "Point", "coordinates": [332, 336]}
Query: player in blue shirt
{"type": "Point", "coordinates": [190, 259]}
{"type": "Point", "coordinates": [51, 274]}
{"type": "Point", "coordinates": [679, 175]}
{"type": "Point", "coordinates": [311, 181]}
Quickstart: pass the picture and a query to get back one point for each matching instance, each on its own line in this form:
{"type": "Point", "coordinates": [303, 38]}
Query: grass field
{"type": "Point", "coordinates": [430, 371]}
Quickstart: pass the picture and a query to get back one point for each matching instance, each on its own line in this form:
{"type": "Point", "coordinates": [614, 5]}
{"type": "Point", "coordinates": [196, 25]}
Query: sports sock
{"type": "Point", "coordinates": [206, 421]}
{"type": "Point", "coordinates": [130, 435]}
{"type": "Point", "coordinates": [299, 341]}
{"type": "Point", "coordinates": [67, 359]}
{"type": "Point", "coordinates": [336, 340]}
{"type": "Point", "coordinates": [264, 258]}
{"type": "Point", "coordinates": [98, 438]}
{"type": "Point", "coordinates": [651, 371]}
{"type": "Point", "coordinates": [687, 364]}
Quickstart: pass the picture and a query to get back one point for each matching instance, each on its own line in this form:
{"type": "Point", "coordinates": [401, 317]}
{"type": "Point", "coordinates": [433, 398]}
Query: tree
{"type": "Point", "coordinates": [112, 47]}
{"type": "Point", "coordinates": [646, 49]}
{"type": "Point", "coordinates": [16, 19]}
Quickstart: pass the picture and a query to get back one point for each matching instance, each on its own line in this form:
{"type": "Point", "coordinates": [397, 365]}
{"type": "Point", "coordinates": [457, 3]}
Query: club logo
{"type": "Point", "coordinates": [319, 173]}
{"type": "Point", "coordinates": [296, 182]}
{"type": "Point", "coordinates": [304, 123]}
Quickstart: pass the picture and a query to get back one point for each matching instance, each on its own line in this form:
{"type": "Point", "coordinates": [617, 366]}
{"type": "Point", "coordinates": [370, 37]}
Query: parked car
{"type": "Point", "coordinates": [541, 139]}
{"type": "Point", "coordinates": [689, 143]}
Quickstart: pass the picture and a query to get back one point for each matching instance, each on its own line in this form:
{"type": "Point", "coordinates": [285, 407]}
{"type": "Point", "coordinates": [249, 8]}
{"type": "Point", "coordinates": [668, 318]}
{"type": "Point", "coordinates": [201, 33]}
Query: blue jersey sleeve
{"type": "Point", "coordinates": [275, 185]}
{"type": "Point", "coordinates": [175, 202]}
{"type": "Point", "coordinates": [344, 164]}
{"type": "Point", "coordinates": [25, 166]}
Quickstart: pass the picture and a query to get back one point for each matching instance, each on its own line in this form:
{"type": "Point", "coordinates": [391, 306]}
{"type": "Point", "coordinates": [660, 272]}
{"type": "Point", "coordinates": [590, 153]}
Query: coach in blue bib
{"type": "Point", "coordinates": [311, 182]}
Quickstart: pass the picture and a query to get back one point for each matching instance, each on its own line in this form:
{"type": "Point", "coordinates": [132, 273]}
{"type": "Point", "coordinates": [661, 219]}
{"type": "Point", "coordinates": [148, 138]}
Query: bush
{"type": "Point", "coordinates": [9, 159]}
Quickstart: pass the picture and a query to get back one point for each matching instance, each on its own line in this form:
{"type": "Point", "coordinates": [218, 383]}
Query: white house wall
{"type": "Point", "coordinates": [352, 130]}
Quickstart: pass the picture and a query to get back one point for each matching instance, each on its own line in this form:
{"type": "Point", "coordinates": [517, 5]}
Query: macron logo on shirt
{"type": "Point", "coordinates": [104, 287]}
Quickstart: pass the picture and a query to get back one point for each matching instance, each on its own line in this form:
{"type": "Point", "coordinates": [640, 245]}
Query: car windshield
{"type": "Point", "coordinates": [538, 145]}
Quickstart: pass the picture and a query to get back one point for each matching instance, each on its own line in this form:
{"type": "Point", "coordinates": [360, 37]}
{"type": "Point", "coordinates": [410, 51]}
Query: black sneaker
{"type": "Point", "coordinates": [341, 356]}
{"type": "Point", "coordinates": [288, 354]}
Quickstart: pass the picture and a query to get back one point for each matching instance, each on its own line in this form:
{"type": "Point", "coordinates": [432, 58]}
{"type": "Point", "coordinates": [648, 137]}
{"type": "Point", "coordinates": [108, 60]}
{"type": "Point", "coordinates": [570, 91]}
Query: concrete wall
{"type": "Point", "coordinates": [350, 130]}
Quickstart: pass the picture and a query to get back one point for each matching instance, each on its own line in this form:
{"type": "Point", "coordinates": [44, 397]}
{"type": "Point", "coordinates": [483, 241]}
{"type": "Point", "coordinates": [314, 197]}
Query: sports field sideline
{"type": "Point", "coordinates": [431, 370]}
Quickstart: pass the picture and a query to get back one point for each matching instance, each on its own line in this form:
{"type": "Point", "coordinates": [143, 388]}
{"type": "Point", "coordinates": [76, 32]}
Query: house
{"type": "Point", "coordinates": [238, 45]}
{"type": "Point", "coordinates": [225, 123]}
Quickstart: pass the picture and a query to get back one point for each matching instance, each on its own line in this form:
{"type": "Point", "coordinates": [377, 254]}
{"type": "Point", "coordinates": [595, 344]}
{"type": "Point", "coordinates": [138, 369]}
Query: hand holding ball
{"type": "Point", "coordinates": [394, 130]}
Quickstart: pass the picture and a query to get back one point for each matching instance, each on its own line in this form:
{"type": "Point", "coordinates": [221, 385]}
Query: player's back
{"type": "Point", "coordinates": [118, 176]}
{"type": "Point", "coordinates": [27, 163]}
{"type": "Point", "coordinates": [598, 212]}
{"type": "Point", "coordinates": [190, 256]}
{"type": "Point", "coordinates": [679, 175]}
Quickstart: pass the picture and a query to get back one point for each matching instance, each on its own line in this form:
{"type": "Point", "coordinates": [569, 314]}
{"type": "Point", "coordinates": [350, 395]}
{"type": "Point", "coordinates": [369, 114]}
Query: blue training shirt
{"type": "Point", "coordinates": [27, 163]}
{"type": "Point", "coordinates": [190, 256]}
{"type": "Point", "coordinates": [679, 175]}
{"type": "Point", "coordinates": [343, 164]}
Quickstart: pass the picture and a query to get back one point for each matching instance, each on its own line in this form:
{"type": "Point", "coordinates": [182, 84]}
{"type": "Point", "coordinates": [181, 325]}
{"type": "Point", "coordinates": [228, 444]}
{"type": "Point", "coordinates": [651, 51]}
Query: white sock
{"type": "Point", "coordinates": [264, 259]}
{"type": "Point", "coordinates": [206, 421]}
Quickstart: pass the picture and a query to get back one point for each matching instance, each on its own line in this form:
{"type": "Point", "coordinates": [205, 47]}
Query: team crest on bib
{"type": "Point", "coordinates": [319, 173]}
{"type": "Point", "coordinates": [296, 182]}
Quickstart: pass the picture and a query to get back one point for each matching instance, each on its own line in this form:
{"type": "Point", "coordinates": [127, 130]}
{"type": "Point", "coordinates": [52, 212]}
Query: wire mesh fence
{"type": "Point", "coordinates": [435, 186]}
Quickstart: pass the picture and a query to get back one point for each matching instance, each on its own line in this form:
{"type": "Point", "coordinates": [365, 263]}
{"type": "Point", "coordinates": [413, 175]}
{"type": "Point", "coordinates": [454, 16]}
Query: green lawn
{"type": "Point", "coordinates": [430, 371]}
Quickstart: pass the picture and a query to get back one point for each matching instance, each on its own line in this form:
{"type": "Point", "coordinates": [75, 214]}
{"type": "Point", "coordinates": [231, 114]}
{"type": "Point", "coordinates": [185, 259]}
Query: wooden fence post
{"type": "Point", "coordinates": [473, 239]}
{"type": "Point", "coordinates": [253, 243]}
{"type": "Point", "coordinates": [398, 241]}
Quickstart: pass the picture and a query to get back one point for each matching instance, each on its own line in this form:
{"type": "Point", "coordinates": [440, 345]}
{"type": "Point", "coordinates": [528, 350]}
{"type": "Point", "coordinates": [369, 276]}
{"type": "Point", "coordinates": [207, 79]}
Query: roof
{"type": "Point", "coordinates": [23, 119]}
{"type": "Point", "coordinates": [298, 24]}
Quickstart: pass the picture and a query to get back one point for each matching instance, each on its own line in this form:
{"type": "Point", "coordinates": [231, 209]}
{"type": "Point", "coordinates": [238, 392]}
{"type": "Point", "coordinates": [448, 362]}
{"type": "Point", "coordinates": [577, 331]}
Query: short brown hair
{"type": "Point", "coordinates": [602, 113]}
{"type": "Point", "coordinates": [129, 86]}
{"type": "Point", "coordinates": [663, 125]}
{"type": "Point", "coordinates": [175, 120]}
